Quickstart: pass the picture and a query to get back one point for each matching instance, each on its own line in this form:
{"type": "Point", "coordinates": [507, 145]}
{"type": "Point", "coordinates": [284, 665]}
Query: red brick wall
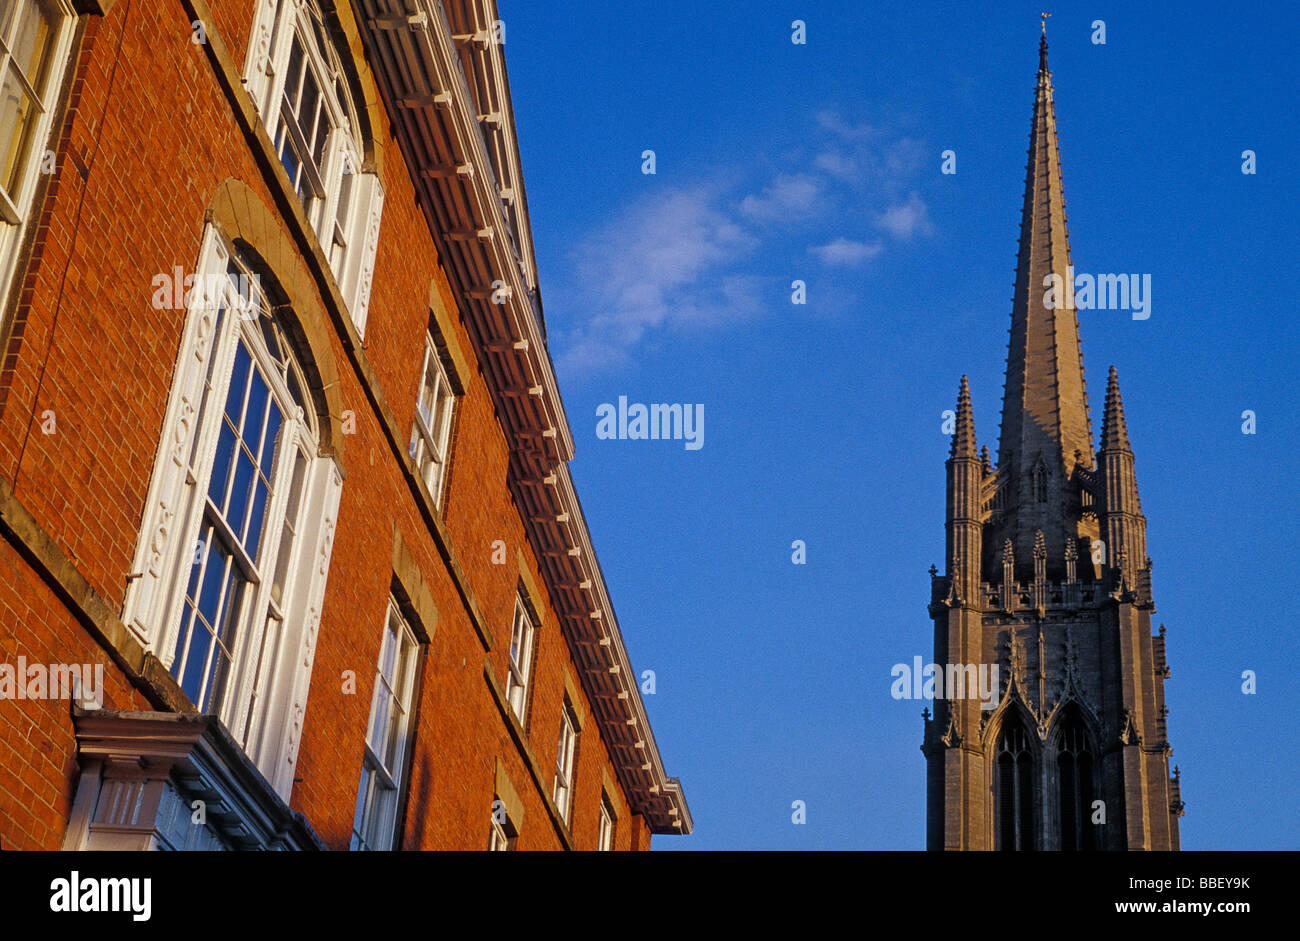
{"type": "Point", "coordinates": [150, 120]}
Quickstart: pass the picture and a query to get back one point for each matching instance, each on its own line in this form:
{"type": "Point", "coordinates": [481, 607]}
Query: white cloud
{"type": "Point", "coordinates": [666, 261]}
{"type": "Point", "coordinates": [838, 164]}
{"type": "Point", "coordinates": [846, 252]}
{"type": "Point", "coordinates": [906, 220]}
{"type": "Point", "coordinates": [831, 121]}
{"type": "Point", "coordinates": [787, 196]}
{"type": "Point", "coordinates": [706, 256]}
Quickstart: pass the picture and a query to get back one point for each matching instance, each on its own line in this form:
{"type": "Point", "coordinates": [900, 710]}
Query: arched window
{"type": "Point", "coordinates": [234, 552]}
{"type": "Point", "coordinates": [1040, 483]}
{"type": "Point", "coordinates": [1074, 763]}
{"type": "Point", "coordinates": [296, 77]}
{"type": "Point", "coordinates": [1015, 787]}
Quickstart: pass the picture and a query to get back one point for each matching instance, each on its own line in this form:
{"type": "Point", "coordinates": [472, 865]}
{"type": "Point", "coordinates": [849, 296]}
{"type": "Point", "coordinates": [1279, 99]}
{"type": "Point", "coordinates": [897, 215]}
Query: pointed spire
{"type": "Point", "coordinates": [1044, 409]}
{"type": "Point", "coordinates": [1114, 430]}
{"type": "Point", "coordinates": [963, 436]}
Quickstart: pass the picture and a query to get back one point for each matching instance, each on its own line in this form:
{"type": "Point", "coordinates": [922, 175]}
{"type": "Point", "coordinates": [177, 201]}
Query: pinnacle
{"type": "Point", "coordinates": [1114, 430]}
{"type": "Point", "coordinates": [963, 436]}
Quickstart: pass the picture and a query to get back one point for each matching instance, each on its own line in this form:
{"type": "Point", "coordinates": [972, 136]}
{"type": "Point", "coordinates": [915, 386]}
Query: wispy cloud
{"type": "Point", "coordinates": [665, 261]}
{"type": "Point", "coordinates": [833, 122]}
{"type": "Point", "coordinates": [846, 252]}
{"type": "Point", "coordinates": [698, 256]}
{"type": "Point", "coordinates": [907, 220]}
{"type": "Point", "coordinates": [787, 196]}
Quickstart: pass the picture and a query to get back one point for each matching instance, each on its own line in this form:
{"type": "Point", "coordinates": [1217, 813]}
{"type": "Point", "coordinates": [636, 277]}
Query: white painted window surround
{"type": "Point", "coordinates": [295, 77]}
{"type": "Point", "coordinates": [519, 682]}
{"type": "Point", "coordinates": [388, 737]}
{"type": "Point", "coordinates": [431, 428]}
{"type": "Point", "coordinates": [193, 541]}
{"type": "Point", "coordinates": [564, 762]}
{"type": "Point", "coordinates": [500, 840]}
{"type": "Point", "coordinates": [605, 835]}
{"type": "Point", "coordinates": [35, 43]}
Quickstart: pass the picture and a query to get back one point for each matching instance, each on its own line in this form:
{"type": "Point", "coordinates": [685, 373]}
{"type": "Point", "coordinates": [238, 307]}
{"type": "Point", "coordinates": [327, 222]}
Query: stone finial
{"type": "Point", "coordinates": [963, 436]}
{"type": "Point", "coordinates": [1114, 430]}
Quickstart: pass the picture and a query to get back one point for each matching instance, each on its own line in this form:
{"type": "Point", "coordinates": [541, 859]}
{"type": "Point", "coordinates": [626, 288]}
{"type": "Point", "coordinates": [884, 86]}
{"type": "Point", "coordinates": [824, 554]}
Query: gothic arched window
{"type": "Point", "coordinates": [296, 76]}
{"type": "Point", "coordinates": [1040, 483]}
{"type": "Point", "coordinates": [1074, 762]}
{"type": "Point", "coordinates": [1015, 787]}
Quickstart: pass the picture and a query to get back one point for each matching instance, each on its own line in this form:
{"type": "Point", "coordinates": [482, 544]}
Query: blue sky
{"type": "Point", "coordinates": [821, 162]}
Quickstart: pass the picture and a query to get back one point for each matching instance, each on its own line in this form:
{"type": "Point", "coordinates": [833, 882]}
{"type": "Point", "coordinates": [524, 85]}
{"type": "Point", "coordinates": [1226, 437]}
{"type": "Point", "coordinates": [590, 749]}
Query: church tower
{"type": "Point", "coordinates": [1047, 592]}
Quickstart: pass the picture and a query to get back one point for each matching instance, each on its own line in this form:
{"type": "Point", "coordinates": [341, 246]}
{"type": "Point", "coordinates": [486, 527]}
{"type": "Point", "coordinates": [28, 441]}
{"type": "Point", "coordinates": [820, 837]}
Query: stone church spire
{"type": "Point", "coordinates": [1048, 586]}
{"type": "Point", "coordinates": [1045, 417]}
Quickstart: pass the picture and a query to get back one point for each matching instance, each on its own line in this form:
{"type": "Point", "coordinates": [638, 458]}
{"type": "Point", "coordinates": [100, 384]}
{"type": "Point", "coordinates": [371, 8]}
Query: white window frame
{"type": "Point", "coordinates": [374, 825]}
{"type": "Point", "coordinates": [275, 637]}
{"type": "Point", "coordinates": [349, 241]}
{"type": "Point", "coordinates": [523, 638]}
{"type": "Point", "coordinates": [16, 207]}
{"type": "Point", "coordinates": [608, 823]}
{"type": "Point", "coordinates": [430, 446]}
{"type": "Point", "coordinates": [566, 762]}
{"type": "Point", "coordinates": [502, 837]}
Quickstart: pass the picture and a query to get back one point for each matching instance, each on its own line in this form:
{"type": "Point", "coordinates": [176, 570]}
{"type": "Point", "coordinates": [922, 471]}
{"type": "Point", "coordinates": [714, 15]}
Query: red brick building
{"type": "Point", "coordinates": [282, 452]}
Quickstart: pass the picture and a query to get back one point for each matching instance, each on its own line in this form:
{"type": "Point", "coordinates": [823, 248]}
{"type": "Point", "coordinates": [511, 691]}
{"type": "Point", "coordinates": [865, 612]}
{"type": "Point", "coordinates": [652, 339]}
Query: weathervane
{"type": "Point", "coordinates": [1044, 16]}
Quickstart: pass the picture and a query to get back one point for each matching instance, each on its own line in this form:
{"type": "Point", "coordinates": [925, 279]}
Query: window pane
{"type": "Point", "coordinates": [415, 444]}
{"type": "Point", "coordinates": [213, 581]}
{"type": "Point", "coordinates": [256, 518]}
{"type": "Point", "coordinates": [289, 531]}
{"type": "Point", "coordinates": [271, 337]}
{"type": "Point", "coordinates": [295, 393]}
{"type": "Point", "coordinates": [240, 491]}
{"type": "Point", "coordinates": [257, 395]}
{"type": "Point", "coordinates": [359, 816]}
{"type": "Point", "coordinates": [18, 116]}
{"type": "Point", "coordinates": [196, 662]}
{"type": "Point", "coordinates": [381, 706]}
{"type": "Point", "coordinates": [288, 157]}
{"type": "Point", "coordinates": [221, 466]}
{"type": "Point", "coordinates": [293, 74]}
{"type": "Point", "coordinates": [388, 655]}
{"type": "Point", "coordinates": [33, 40]}
{"type": "Point", "coordinates": [319, 135]}
{"type": "Point", "coordinates": [305, 106]}
{"type": "Point", "coordinates": [274, 420]}
{"type": "Point", "coordinates": [394, 744]}
{"type": "Point", "coordinates": [238, 386]}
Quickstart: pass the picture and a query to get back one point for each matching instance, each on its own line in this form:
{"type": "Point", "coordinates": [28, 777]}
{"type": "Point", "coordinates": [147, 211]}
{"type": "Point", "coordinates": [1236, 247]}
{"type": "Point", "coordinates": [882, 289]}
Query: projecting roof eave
{"type": "Point", "coordinates": [415, 58]}
{"type": "Point", "coordinates": [413, 50]}
{"type": "Point", "coordinates": [664, 805]}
